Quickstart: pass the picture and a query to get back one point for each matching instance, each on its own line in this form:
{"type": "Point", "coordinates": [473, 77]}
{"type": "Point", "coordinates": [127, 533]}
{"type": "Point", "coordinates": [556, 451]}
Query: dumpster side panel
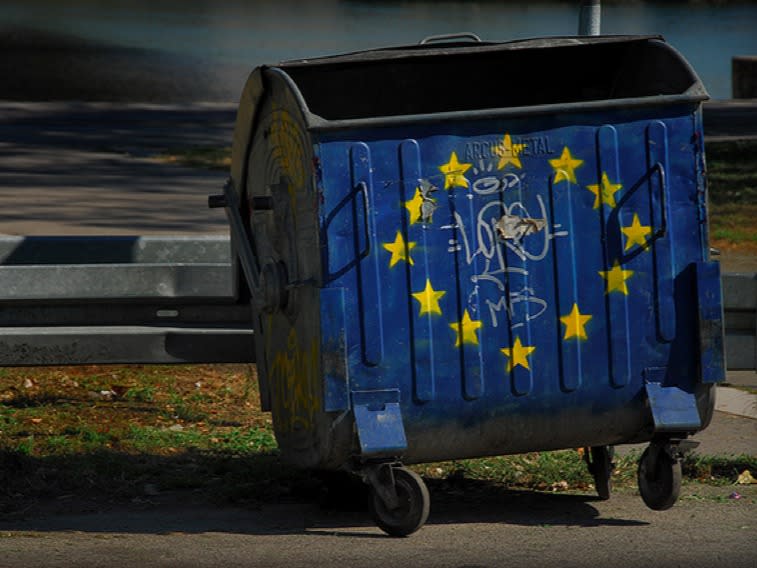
{"type": "Point", "coordinates": [518, 280]}
{"type": "Point", "coordinates": [300, 352]}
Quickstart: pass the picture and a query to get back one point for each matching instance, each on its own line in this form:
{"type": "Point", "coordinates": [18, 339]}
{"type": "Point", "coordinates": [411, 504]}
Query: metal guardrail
{"type": "Point", "coordinates": [81, 300]}
{"type": "Point", "coordinates": [740, 307]}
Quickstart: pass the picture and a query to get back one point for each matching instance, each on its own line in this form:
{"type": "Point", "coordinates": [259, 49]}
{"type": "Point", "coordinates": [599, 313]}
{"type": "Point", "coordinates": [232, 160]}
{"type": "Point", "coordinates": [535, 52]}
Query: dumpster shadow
{"type": "Point", "coordinates": [109, 492]}
{"type": "Point", "coordinates": [475, 501]}
{"type": "Point", "coordinates": [485, 502]}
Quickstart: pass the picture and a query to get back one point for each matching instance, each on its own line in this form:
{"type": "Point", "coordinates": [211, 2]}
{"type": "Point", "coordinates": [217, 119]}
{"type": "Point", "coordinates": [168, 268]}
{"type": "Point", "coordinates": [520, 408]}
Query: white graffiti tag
{"type": "Point", "coordinates": [524, 299]}
{"type": "Point", "coordinates": [497, 228]}
{"type": "Point", "coordinates": [486, 243]}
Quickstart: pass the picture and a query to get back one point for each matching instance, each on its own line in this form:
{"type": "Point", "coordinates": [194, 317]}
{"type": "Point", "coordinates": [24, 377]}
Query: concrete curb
{"type": "Point", "coordinates": [737, 402]}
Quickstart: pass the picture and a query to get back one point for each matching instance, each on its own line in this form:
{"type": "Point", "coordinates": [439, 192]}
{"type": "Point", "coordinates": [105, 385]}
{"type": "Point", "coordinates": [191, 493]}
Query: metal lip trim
{"type": "Point", "coordinates": [318, 124]}
{"type": "Point", "coordinates": [395, 52]}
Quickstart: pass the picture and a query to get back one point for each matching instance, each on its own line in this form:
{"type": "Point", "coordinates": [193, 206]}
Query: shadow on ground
{"type": "Point", "coordinates": [110, 492]}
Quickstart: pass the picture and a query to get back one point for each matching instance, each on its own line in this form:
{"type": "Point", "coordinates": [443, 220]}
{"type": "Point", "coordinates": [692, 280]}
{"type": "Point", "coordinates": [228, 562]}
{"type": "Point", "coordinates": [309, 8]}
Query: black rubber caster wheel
{"type": "Point", "coordinates": [599, 461]}
{"type": "Point", "coordinates": [659, 478]}
{"type": "Point", "coordinates": [413, 507]}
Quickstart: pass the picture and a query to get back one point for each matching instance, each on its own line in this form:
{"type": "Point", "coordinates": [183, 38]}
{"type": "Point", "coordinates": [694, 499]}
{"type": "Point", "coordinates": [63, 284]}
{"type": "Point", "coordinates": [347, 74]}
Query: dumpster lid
{"type": "Point", "coordinates": [457, 47]}
{"type": "Point", "coordinates": [433, 82]}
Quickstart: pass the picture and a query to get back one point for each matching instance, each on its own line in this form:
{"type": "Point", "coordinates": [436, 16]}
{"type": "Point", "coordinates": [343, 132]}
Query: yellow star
{"type": "Point", "coordinates": [575, 323]}
{"type": "Point", "coordinates": [466, 330]}
{"type": "Point", "coordinates": [565, 166]}
{"type": "Point", "coordinates": [453, 173]}
{"type": "Point", "coordinates": [414, 206]}
{"type": "Point", "coordinates": [616, 278]}
{"type": "Point", "coordinates": [608, 191]}
{"type": "Point", "coordinates": [517, 355]}
{"type": "Point", "coordinates": [400, 250]}
{"type": "Point", "coordinates": [508, 153]}
{"type": "Point", "coordinates": [637, 233]}
{"type": "Point", "coordinates": [429, 299]}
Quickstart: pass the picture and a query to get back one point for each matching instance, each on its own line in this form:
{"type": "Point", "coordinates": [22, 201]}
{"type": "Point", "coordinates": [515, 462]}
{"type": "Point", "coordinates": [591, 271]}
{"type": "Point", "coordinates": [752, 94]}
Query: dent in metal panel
{"type": "Point", "coordinates": [657, 160]}
{"type": "Point", "coordinates": [615, 274]}
{"type": "Point", "coordinates": [520, 343]}
{"type": "Point", "coordinates": [467, 325]}
{"type": "Point", "coordinates": [423, 300]}
{"type": "Point", "coordinates": [367, 270]}
{"type": "Point", "coordinates": [473, 377]}
{"type": "Point", "coordinates": [565, 259]}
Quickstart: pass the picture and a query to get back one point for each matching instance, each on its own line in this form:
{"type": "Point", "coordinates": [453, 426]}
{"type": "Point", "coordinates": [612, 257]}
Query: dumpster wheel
{"type": "Point", "coordinates": [599, 461]}
{"type": "Point", "coordinates": [409, 499]}
{"type": "Point", "coordinates": [659, 477]}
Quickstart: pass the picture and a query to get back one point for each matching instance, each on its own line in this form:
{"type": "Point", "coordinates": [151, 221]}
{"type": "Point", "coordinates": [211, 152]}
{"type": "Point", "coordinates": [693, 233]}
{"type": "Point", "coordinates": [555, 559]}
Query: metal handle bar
{"type": "Point", "coordinates": [246, 250]}
{"type": "Point", "coordinates": [448, 37]}
{"type": "Point", "coordinates": [362, 189]}
{"type": "Point", "coordinates": [660, 231]}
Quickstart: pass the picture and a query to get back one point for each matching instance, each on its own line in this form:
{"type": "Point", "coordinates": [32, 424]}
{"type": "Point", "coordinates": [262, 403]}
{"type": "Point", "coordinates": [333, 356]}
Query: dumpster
{"type": "Point", "coordinates": [469, 249]}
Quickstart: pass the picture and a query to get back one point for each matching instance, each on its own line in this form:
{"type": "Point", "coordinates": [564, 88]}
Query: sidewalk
{"type": "Point", "coordinates": [89, 168]}
{"type": "Point", "coordinates": [733, 429]}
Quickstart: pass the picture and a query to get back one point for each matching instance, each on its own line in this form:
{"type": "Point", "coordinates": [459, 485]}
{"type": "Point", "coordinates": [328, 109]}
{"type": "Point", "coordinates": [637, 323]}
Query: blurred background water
{"type": "Point", "coordinates": [171, 50]}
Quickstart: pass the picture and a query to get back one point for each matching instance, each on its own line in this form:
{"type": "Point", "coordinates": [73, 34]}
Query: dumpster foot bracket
{"type": "Point", "coordinates": [378, 421]}
{"type": "Point", "coordinates": [673, 409]}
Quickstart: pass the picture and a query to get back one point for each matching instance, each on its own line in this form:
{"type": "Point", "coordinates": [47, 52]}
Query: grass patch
{"type": "Point", "coordinates": [732, 171]}
{"type": "Point", "coordinates": [538, 470]}
{"type": "Point", "coordinates": [112, 431]}
{"type": "Point", "coordinates": [732, 185]}
{"type": "Point", "coordinates": [109, 434]}
{"type": "Point", "coordinates": [720, 470]}
{"type": "Point", "coordinates": [566, 470]}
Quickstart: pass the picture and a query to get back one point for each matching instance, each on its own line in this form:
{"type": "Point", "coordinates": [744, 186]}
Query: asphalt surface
{"type": "Point", "coordinates": [91, 168]}
{"type": "Point", "coordinates": [706, 529]}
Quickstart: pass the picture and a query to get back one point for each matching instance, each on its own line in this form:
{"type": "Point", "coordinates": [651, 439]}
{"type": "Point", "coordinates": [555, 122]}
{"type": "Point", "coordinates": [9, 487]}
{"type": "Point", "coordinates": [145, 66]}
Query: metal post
{"type": "Point", "coordinates": [590, 18]}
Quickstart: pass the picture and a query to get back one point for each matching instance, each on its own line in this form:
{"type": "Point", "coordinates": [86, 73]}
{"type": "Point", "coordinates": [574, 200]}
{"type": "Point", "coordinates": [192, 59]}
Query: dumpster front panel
{"type": "Point", "coordinates": [513, 279]}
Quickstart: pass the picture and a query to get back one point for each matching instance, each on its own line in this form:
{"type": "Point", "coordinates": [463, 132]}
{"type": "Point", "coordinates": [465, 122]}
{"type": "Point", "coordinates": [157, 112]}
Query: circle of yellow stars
{"type": "Point", "coordinates": [575, 322]}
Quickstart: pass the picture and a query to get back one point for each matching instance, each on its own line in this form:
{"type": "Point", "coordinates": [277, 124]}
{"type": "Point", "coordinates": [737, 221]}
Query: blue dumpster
{"type": "Point", "coordinates": [471, 249]}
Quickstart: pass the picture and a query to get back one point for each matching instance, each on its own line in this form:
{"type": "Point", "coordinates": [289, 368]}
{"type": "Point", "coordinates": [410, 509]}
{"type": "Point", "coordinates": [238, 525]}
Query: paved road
{"type": "Point", "coordinates": [88, 168]}
{"type": "Point", "coordinates": [495, 528]}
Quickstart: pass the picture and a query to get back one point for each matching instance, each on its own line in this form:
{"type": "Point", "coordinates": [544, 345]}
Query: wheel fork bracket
{"type": "Point", "coordinates": [675, 448]}
{"type": "Point", "coordinates": [381, 478]}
